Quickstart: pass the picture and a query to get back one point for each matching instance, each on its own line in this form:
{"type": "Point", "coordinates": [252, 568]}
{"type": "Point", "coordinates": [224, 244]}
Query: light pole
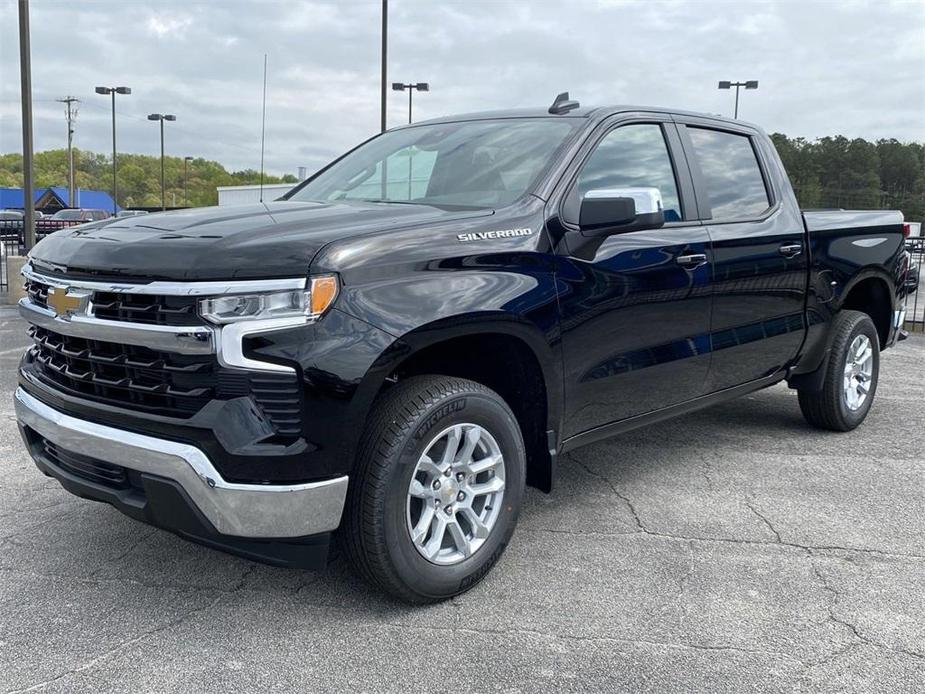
{"type": "Point", "coordinates": [383, 67]}
{"type": "Point", "coordinates": [161, 117]}
{"type": "Point", "coordinates": [400, 87]}
{"type": "Point", "coordinates": [186, 161]}
{"type": "Point", "coordinates": [28, 173]}
{"type": "Point", "coordinates": [113, 91]}
{"type": "Point", "coordinates": [411, 86]}
{"type": "Point", "coordinates": [751, 84]}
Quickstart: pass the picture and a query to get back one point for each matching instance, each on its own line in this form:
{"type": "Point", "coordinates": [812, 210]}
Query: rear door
{"type": "Point", "coordinates": [759, 250]}
{"type": "Point", "coordinates": [635, 307]}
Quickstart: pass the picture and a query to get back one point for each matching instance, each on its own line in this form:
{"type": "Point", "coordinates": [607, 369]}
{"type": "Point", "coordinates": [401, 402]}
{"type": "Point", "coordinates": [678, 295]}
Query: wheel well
{"type": "Point", "coordinates": [510, 368]}
{"type": "Point", "coordinates": [872, 296]}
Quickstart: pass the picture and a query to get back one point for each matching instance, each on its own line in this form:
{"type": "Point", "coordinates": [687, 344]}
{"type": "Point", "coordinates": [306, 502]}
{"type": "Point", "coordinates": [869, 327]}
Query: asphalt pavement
{"type": "Point", "coordinates": [732, 550]}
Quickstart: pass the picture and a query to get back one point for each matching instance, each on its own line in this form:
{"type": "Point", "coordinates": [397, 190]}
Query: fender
{"type": "Point", "coordinates": [809, 372]}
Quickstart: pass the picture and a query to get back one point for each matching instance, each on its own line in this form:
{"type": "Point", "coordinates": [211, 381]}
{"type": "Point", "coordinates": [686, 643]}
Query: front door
{"type": "Point", "coordinates": [635, 310]}
{"type": "Point", "coordinates": [759, 254]}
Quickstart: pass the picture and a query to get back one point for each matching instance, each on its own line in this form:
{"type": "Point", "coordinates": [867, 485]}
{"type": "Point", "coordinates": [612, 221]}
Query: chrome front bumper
{"type": "Point", "coordinates": [242, 510]}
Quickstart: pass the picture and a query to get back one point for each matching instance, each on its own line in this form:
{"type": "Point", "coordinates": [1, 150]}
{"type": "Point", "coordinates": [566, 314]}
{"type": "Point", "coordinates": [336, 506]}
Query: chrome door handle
{"type": "Point", "coordinates": [790, 250]}
{"type": "Point", "coordinates": [691, 260]}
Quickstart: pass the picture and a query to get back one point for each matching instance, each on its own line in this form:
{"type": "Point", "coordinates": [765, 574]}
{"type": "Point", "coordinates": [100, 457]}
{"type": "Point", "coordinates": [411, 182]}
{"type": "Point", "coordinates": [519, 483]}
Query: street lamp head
{"type": "Point", "coordinates": [102, 90]}
{"type": "Point", "coordinates": [154, 116]}
{"type": "Point", "coordinates": [751, 84]}
{"type": "Point", "coordinates": [725, 84]}
{"type": "Point", "coordinates": [123, 90]}
{"type": "Point", "coordinates": [398, 87]}
{"type": "Point", "coordinates": [187, 159]}
{"type": "Point", "coordinates": [170, 116]}
{"type": "Point", "coordinates": [422, 87]}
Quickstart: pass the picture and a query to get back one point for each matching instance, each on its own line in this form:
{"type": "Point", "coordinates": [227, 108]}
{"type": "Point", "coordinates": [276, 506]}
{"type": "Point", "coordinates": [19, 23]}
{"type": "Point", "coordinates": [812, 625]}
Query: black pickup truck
{"type": "Point", "coordinates": [388, 354]}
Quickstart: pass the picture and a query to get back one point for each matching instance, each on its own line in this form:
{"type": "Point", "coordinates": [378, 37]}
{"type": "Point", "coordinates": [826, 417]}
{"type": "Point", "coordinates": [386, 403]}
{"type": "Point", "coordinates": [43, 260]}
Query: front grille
{"type": "Point", "coordinates": [163, 383]}
{"type": "Point", "coordinates": [146, 308]}
{"type": "Point", "coordinates": [106, 474]}
{"type": "Point", "coordinates": [150, 309]}
{"type": "Point", "coordinates": [37, 292]}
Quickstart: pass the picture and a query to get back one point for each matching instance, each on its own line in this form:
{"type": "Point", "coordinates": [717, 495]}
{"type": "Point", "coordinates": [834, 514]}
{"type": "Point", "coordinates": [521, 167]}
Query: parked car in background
{"type": "Point", "coordinates": [81, 215]}
{"type": "Point", "coordinates": [68, 218]}
{"type": "Point", "coordinates": [393, 358]}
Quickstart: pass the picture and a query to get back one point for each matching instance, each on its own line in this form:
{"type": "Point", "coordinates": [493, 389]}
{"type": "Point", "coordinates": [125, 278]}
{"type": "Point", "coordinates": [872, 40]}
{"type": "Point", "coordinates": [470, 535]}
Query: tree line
{"type": "Point", "coordinates": [828, 172]}
{"type": "Point", "coordinates": [139, 176]}
{"type": "Point", "coordinates": [856, 174]}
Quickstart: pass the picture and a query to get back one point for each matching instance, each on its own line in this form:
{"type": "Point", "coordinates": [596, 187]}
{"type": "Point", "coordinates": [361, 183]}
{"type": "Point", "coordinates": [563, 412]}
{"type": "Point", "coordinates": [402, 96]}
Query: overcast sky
{"type": "Point", "coordinates": [825, 67]}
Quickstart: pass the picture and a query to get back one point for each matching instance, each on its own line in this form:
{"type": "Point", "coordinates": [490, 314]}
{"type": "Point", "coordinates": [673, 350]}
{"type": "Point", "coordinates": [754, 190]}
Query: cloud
{"type": "Point", "coordinates": [824, 68]}
{"type": "Point", "coordinates": [164, 25]}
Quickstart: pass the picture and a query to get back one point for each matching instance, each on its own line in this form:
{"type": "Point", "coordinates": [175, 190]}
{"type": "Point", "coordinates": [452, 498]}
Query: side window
{"type": "Point", "coordinates": [735, 187]}
{"type": "Point", "coordinates": [630, 156]}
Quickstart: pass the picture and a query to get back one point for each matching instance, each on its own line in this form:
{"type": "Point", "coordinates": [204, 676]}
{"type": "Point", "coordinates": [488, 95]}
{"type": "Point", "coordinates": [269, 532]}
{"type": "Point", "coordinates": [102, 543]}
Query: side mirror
{"type": "Point", "coordinates": [618, 210]}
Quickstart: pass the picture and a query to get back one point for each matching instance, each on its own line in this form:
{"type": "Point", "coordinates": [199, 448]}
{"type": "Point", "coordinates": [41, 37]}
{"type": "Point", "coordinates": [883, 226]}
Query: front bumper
{"type": "Point", "coordinates": [229, 510]}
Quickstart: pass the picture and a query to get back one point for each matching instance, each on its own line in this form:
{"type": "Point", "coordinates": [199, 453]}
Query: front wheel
{"type": "Point", "coordinates": [438, 487]}
{"type": "Point", "coordinates": [851, 375]}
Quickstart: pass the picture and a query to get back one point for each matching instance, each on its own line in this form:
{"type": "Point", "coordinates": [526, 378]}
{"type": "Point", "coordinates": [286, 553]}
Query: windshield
{"type": "Point", "coordinates": [472, 164]}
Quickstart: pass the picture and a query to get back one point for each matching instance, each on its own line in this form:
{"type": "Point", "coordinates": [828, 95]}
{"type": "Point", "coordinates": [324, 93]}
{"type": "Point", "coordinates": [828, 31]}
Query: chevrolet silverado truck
{"type": "Point", "coordinates": [387, 355]}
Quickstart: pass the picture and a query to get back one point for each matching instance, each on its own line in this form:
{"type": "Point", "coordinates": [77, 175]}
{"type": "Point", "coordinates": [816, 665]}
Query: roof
{"type": "Point", "coordinates": [591, 112]}
{"type": "Point", "coordinates": [12, 198]}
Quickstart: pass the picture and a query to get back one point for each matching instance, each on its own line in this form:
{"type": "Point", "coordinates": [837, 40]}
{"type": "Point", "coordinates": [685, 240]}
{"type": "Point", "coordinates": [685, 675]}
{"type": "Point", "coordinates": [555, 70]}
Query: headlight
{"type": "Point", "coordinates": [310, 303]}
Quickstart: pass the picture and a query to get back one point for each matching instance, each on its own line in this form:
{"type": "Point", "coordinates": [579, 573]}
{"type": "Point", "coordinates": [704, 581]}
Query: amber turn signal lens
{"type": "Point", "coordinates": [323, 292]}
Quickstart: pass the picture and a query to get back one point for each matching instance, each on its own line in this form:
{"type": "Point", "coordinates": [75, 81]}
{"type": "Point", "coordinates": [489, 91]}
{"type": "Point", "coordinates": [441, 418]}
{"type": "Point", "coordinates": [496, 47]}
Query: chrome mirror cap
{"type": "Point", "coordinates": [647, 200]}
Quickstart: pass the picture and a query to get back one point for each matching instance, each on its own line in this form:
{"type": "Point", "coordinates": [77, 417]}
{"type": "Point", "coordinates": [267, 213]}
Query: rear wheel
{"type": "Point", "coordinates": [439, 483]}
{"type": "Point", "coordinates": [851, 375]}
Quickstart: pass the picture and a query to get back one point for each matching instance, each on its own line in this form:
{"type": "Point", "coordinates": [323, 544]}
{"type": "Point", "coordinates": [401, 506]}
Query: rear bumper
{"type": "Point", "coordinates": [229, 513]}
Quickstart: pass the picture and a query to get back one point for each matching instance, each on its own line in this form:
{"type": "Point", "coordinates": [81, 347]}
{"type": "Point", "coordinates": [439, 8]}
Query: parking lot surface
{"type": "Point", "coordinates": [733, 550]}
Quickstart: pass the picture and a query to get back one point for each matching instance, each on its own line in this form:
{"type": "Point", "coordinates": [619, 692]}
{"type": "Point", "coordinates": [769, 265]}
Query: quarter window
{"type": "Point", "coordinates": [630, 156]}
{"type": "Point", "coordinates": [735, 187]}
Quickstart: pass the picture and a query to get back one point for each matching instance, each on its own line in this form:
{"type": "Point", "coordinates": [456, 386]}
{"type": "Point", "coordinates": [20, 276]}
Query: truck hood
{"type": "Point", "coordinates": [263, 241]}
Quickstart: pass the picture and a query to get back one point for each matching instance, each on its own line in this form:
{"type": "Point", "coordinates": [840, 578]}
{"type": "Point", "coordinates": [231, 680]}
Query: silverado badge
{"type": "Point", "coordinates": [501, 234]}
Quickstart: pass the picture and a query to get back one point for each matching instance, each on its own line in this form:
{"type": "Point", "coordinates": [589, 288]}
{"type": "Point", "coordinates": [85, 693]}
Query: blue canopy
{"type": "Point", "coordinates": [12, 198]}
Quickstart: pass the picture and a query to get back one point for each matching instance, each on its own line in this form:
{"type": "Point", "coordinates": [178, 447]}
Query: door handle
{"type": "Point", "coordinates": [691, 260]}
{"type": "Point", "coordinates": [790, 250]}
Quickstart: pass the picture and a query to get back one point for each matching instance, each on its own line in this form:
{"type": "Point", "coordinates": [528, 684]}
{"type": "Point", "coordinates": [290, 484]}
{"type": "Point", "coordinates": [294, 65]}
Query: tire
{"type": "Point", "coordinates": [831, 406]}
{"type": "Point", "coordinates": [412, 418]}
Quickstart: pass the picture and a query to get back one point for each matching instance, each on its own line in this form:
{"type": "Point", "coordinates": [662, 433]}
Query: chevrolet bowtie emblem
{"type": "Point", "coordinates": [64, 303]}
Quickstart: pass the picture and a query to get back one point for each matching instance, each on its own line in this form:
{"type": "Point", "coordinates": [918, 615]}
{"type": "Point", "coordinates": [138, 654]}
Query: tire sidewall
{"type": "Point", "coordinates": [413, 569]}
{"type": "Point", "coordinates": [863, 326]}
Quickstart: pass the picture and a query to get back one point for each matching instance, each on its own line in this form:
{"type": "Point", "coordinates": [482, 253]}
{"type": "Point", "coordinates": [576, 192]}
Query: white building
{"type": "Point", "coordinates": [243, 195]}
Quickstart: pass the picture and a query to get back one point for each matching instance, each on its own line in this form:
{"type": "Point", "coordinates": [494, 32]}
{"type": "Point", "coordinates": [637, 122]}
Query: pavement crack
{"type": "Point", "coordinates": [131, 548]}
{"type": "Point", "coordinates": [485, 631]}
{"type": "Point", "coordinates": [613, 487]}
{"type": "Point", "coordinates": [764, 519]}
{"type": "Point", "coordinates": [122, 645]}
{"type": "Point", "coordinates": [854, 629]}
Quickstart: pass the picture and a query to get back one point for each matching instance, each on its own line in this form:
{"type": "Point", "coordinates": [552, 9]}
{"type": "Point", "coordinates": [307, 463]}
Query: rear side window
{"type": "Point", "coordinates": [735, 187]}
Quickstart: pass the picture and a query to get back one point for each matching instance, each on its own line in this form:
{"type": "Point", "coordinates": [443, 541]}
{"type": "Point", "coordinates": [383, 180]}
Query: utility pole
{"type": "Point", "coordinates": [25, 76]}
{"type": "Point", "coordinates": [71, 117]}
